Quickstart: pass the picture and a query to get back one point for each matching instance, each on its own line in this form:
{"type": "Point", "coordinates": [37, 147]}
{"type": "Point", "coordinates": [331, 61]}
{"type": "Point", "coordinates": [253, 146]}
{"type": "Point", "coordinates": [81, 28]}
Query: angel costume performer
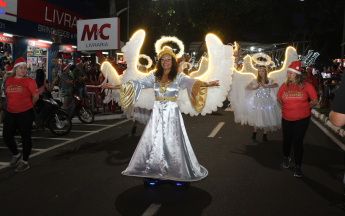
{"type": "Point", "coordinates": [265, 113]}
{"type": "Point", "coordinates": [164, 150]}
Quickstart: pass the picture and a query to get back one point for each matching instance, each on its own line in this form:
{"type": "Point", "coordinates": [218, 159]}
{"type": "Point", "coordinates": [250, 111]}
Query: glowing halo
{"type": "Point", "coordinates": [149, 60]}
{"type": "Point", "coordinates": [272, 64]}
{"type": "Point", "coordinates": [264, 56]}
{"type": "Point", "coordinates": [164, 40]}
{"type": "Point", "coordinates": [186, 65]}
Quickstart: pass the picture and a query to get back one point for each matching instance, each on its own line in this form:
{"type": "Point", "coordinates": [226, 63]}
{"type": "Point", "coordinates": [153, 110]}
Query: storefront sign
{"type": "Point", "coordinates": [99, 34]}
{"type": "Point", "coordinates": [48, 14]}
{"type": "Point", "coordinates": [36, 43]}
{"type": "Point", "coordinates": [5, 39]}
{"type": "Point", "coordinates": [67, 48]}
{"type": "Point", "coordinates": [8, 10]}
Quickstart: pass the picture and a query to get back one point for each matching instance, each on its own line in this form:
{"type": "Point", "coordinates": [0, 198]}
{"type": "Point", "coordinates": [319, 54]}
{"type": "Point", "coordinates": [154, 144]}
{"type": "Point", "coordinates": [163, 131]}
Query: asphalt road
{"type": "Point", "coordinates": [81, 175]}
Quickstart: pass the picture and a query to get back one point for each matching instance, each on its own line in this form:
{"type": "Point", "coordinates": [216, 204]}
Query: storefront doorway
{"type": "Point", "coordinates": [37, 57]}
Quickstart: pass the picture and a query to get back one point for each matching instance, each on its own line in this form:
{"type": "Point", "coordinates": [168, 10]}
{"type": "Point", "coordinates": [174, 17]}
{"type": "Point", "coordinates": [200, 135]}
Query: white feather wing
{"type": "Point", "coordinates": [220, 68]}
{"type": "Point", "coordinates": [112, 77]}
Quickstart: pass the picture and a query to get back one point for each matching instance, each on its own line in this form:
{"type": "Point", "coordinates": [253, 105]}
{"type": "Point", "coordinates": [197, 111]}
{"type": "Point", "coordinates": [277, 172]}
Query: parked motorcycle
{"type": "Point", "coordinates": [48, 115]}
{"type": "Point", "coordinates": [78, 108]}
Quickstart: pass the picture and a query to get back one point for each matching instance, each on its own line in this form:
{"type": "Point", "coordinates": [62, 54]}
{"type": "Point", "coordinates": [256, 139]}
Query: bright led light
{"type": "Point", "coordinates": [178, 184]}
{"type": "Point", "coordinates": [252, 48]}
{"type": "Point", "coordinates": [45, 41]}
{"type": "Point", "coordinates": [106, 53]}
{"type": "Point", "coordinates": [8, 35]}
{"type": "Point", "coordinates": [74, 47]}
{"type": "Point", "coordinates": [260, 49]}
{"type": "Point", "coordinates": [152, 183]}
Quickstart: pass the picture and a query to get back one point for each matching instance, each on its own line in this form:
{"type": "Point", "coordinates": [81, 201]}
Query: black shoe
{"type": "Point", "coordinates": [15, 160]}
{"type": "Point", "coordinates": [134, 129]}
{"type": "Point", "coordinates": [264, 138]}
{"type": "Point", "coordinates": [22, 166]}
{"type": "Point", "coordinates": [286, 162]}
{"type": "Point", "coordinates": [298, 172]}
{"type": "Point", "coordinates": [254, 136]}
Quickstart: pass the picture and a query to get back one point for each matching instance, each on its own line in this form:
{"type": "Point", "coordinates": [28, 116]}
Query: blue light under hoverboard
{"type": "Point", "coordinates": [152, 183]}
{"type": "Point", "coordinates": [178, 184]}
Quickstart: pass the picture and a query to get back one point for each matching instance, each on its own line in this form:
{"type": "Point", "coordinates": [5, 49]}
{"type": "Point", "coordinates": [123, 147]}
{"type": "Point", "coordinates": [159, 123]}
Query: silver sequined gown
{"type": "Point", "coordinates": [164, 150]}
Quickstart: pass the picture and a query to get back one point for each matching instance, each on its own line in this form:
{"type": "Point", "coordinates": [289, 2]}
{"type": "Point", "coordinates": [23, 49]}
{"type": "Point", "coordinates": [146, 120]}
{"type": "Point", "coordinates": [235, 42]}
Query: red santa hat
{"type": "Point", "coordinates": [64, 66]}
{"type": "Point", "coordinates": [295, 67]}
{"type": "Point", "coordinates": [78, 61]}
{"type": "Point", "coordinates": [19, 61]}
{"type": "Point", "coordinates": [309, 67]}
{"type": "Point", "coordinates": [9, 69]}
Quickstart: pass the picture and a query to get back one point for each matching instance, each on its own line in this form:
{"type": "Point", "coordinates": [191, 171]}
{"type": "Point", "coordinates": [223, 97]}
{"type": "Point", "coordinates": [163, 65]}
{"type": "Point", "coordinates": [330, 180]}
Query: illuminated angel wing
{"type": "Point", "coordinates": [241, 102]}
{"type": "Point", "coordinates": [202, 68]}
{"type": "Point", "coordinates": [220, 68]}
{"type": "Point", "coordinates": [280, 75]}
{"type": "Point", "coordinates": [112, 77]}
{"type": "Point", "coordinates": [131, 53]}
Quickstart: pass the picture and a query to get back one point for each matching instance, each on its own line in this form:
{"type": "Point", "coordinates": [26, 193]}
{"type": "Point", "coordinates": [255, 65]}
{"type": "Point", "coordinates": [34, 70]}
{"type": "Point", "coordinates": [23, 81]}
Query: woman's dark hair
{"type": "Point", "coordinates": [40, 76]}
{"type": "Point", "coordinates": [72, 68]}
{"type": "Point", "coordinates": [160, 71]}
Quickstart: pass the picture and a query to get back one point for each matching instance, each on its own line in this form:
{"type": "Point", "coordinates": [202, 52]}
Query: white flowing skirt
{"type": "Point", "coordinates": [164, 150]}
{"type": "Point", "coordinates": [265, 115]}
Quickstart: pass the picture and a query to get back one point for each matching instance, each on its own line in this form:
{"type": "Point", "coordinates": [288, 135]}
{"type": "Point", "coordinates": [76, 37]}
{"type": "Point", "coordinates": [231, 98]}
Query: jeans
{"type": "Point", "coordinates": [82, 92]}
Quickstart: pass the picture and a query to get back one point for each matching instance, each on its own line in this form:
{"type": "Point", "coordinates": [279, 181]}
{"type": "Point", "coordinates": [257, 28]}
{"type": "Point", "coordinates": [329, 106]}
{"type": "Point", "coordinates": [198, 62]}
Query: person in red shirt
{"type": "Point", "coordinates": [21, 94]}
{"type": "Point", "coordinates": [294, 96]}
{"type": "Point", "coordinates": [311, 78]}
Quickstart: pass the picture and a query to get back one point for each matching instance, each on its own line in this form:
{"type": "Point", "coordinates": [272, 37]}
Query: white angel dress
{"type": "Point", "coordinates": [164, 150]}
{"type": "Point", "coordinates": [266, 115]}
{"type": "Point", "coordinates": [138, 114]}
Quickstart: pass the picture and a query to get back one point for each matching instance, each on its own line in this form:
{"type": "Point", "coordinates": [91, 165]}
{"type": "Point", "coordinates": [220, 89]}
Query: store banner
{"type": "Point", "coordinates": [48, 14]}
{"type": "Point", "coordinates": [40, 44]}
{"type": "Point", "coordinates": [6, 39]}
{"type": "Point", "coordinates": [67, 48]}
{"type": "Point", "coordinates": [8, 10]}
{"type": "Point", "coordinates": [98, 34]}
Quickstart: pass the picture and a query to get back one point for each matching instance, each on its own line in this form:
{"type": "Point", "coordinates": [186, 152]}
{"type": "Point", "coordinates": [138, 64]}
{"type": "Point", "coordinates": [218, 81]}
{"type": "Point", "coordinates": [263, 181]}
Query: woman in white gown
{"type": "Point", "coordinates": [164, 151]}
{"type": "Point", "coordinates": [265, 114]}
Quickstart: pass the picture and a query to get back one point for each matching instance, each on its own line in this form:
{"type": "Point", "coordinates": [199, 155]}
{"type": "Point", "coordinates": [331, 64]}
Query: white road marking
{"type": "Point", "coordinates": [49, 138]}
{"type": "Point", "coordinates": [329, 134]}
{"type": "Point", "coordinates": [68, 141]}
{"type": "Point", "coordinates": [216, 129]}
{"type": "Point", "coordinates": [78, 131]}
{"type": "Point", "coordinates": [228, 109]}
{"type": "Point", "coordinates": [104, 125]}
{"type": "Point", "coordinates": [33, 149]}
{"type": "Point", "coordinates": [152, 210]}
{"type": "Point", "coordinates": [4, 164]}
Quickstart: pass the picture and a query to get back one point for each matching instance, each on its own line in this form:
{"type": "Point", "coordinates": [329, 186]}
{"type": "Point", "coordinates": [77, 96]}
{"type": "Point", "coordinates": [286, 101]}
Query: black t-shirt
{"type": "Point", "coordinates": [338, 104]}
{"type": "Point", "coordinates": [2, 60]}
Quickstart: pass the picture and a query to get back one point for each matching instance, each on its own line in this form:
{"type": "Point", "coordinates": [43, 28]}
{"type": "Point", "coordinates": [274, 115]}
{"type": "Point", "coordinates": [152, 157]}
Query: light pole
{"type": "Point", "coordinates": [127, 20]}
{"type": "Point", "coordinates": [343, 44]}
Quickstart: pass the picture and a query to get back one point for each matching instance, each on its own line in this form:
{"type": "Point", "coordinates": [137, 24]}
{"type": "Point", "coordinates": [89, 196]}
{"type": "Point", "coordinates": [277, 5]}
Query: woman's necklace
{"type": "Point", "coordinates": [163, 86]}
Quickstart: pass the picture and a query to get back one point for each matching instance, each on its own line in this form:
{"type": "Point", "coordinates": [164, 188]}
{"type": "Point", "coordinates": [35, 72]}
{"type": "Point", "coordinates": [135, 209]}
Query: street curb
{"type": "Point", "coordinates": [325, 120]}
{"type": "Point", "coordinates": [101, 118]}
